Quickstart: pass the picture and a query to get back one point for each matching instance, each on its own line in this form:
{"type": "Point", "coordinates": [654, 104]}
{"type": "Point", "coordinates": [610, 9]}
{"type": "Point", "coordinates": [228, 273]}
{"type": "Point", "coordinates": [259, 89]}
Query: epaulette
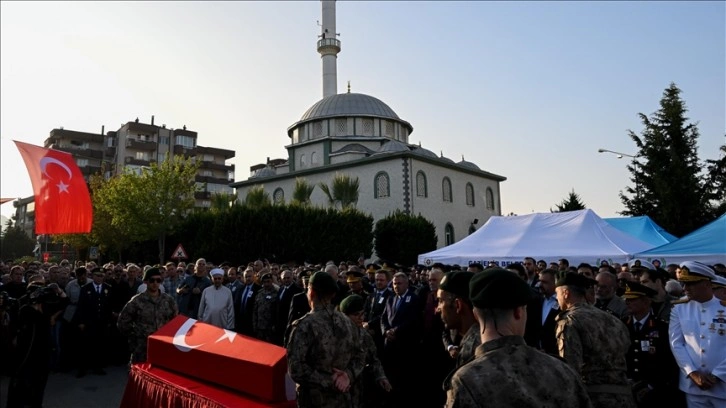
{"type": "Point", "coordinates": [681, 301]}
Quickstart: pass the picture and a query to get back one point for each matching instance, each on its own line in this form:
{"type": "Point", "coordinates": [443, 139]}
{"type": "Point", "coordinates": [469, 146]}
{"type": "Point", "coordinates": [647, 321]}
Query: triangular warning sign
{"type": "Point", "coordinates": [179, 253]}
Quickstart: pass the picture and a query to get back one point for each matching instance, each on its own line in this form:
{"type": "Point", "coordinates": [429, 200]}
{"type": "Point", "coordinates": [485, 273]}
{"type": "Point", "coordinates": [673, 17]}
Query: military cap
{"type": "Point", "coordinates": [352, 304]}
{"type": "Point", "coordinates": [457, 283]}
{"type": "Point", "coordinates": [150, 273]}
{"type": "Point", "coordinates": [353, 276]}
{"type": "Point", "coordinates": [575, 279]}
{"type": "Point", "coordinates": [498, 288]}
{"type": "Point", "coordinates": [97, 271]}
{"type": "Point", "coordinates": [634, 290]}
{"type": "Point", "coordinates": [265, 276]}
{"type": "Point", "coordinates": [719, 282]}
{"type": "Point", "coordinates": [372, 268]}
{"type": "Point", "coordinates": [693, 271]}
{"type": "Point", "coordinates": [323, 283]}
{"type": "Point", "coordinates": [641, 263]}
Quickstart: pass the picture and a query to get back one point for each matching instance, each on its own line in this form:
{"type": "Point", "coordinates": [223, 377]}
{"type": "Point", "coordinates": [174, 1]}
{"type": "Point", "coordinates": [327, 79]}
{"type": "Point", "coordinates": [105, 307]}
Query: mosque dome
{"type": "Point", "coordinates": [393, 146]}
{"type": "Point", "coordinates": [424, 152]}
{"type": "Point", "coordinates": [264, 172]}
{"type": "Point", "coordinates": [468, 164]}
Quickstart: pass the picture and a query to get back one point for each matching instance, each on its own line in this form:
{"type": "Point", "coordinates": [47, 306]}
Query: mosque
{"type": "Point", "coordinates": [361, 136]}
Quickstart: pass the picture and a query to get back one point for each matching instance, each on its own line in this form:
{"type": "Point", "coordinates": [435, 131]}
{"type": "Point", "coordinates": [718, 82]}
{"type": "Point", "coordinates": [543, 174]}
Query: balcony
{"type": "Point", "coordinates": [81, 152]}
{"type": "Point", "coordinates": [328, 46]}
{"type": "Point", "coordinates": [136, 162]}
{"type": "Point", "coordinates": [212, 180]}
{"type": "Point", "coordinates": [185, 151]}
{"type": "Point", "coordinates": [216, 166]}
{"type": "Point", "coordinates": [202, 195]}
{"type": "Point", "coordinates": [148, 146]}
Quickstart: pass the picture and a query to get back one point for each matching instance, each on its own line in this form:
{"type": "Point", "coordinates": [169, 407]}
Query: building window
{"type": "Point", "coordinates": [303, 161]}
{"type": "Point", "coordinates": [164, 140]}
{"type": "Point", "coordinates": [421, 187]}
{"type": "Point", "coordinates": [469, 194]}
{"type": "Point", "coordinates": [368, 127]}
{"type": "Point", "coordinates": [207, 173]}
{"type": "Point", "coordinates": [342, 126]}
{"type": "Point", "coordinates": [278, 196]}
{"type": "Point", "coordinates": [449, 234]}
{"type": "Point", "coordinates": [142, 156]}
{"type": "Point", "coordinates": [313, 159]}
{"type": "Point", "coordinates": [389, 128]}
{"type": "Point", "coordinates": [382, 185]}
{"type": "Point", "coordinates": [185, 141]}
{"type": "Point", "coordinates": [446, 189]}
{"type": "Point", "coordinates": [317, 129]}
{"type": "Point", "coordinates": [208, 158]}
{"type": "Point", "coordinates": [490, 199]}
{"type": "Point", "coordinates": [206, 203]}
{"type": "Point", "coordinates": [82, 162]}
{"type": "Point", "coordinates": [111, 142]}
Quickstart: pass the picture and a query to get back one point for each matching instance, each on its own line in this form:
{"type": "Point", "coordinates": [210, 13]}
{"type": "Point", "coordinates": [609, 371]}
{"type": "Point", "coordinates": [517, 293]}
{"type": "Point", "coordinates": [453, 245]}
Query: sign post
{"type": "Point", "coordinates": [179, 253]}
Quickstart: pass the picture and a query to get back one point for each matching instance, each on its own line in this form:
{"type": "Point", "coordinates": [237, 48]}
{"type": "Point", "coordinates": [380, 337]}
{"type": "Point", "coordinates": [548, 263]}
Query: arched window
{"type": "Point", "coordinates": [446, 187]}
{"type": "Point", "coordinates": [449, 234]}
{"type": "Point", "coordinates": [421, 187]}
{"type": "Point", "coordinates": [303, 161]}
{"type": "Point", "coordinates": [490, 199]}
{"type": "Point", "coordinates": [469, 194]}
{"type": "Point", "coordinates": [278, 196]}
{"type": "Point", "coordinates": [382, 186]}
{"type": "Point", "coordinates": [313, 159]}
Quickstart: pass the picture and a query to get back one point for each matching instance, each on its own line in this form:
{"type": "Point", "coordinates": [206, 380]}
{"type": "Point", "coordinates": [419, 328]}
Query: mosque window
{"type": "Point", "coordinates": [421, 187]}
{"type": "Point", "coordinates": [389, 128]}
{"type": "Point", "coordinates": [318, 129]}
{"type": "Point", "coordinates": [342, 126]}
{"type": "Point", "coordinates": [446, 187]}
{"type": "Point", "coordinates": [278, 196]}
{"type": "Point", "coordinates": [469, 194]}
{"type": "Point", "coordinates": [382, 185]}
{"type": "Point", "coordinates": [303, 161]}
{"type": "Point", "coordinates": [368, 127]}
{"type": "Point", "coordinates": [490, 199]}
{"type": "Point", "coordinates": [313, 159]}
{"type": "Point", "coordinates": [449, 234]}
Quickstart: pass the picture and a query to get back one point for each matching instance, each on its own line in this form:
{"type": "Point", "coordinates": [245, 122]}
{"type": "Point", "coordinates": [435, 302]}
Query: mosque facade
{"type": "Point", "coordinates": [361, 136]}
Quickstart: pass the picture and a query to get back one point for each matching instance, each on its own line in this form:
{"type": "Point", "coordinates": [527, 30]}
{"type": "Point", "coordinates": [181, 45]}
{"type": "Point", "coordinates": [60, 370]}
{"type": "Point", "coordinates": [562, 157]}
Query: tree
{"type": "Point", "coordinates": [717, 182]}
{"type": "Point", "coordinates": [14, 243]}
{"type": "Point", "coordinates": [670, 188]}
{"type": "Point", "coordinates": [302, 192]}
{"type": "Point", "coordinates": [401, 237]}
{"type": "Point", "coordinates": [571, 203]}
{"type": "Point", "coordinates": [221, 202]}
{"type": "Point", "coordinates": [344, 191]}
{"type": "Point", "coordinates": [151, 204]}
{"type": "Point", "coordinates": [257, 198]}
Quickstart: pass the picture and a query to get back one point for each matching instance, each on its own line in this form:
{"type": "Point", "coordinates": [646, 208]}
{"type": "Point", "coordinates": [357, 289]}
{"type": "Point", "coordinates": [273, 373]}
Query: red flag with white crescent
{"type": "Point", "coordinates": [62, 200]}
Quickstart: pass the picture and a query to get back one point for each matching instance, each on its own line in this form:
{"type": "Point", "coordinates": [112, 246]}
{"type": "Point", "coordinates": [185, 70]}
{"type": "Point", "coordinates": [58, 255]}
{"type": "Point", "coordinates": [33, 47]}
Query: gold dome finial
{"type": "Point", "coordinates": [348, 86]}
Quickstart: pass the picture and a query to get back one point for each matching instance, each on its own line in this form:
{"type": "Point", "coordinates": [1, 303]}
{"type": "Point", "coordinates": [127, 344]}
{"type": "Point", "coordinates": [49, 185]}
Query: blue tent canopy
{"type": "Point", "coordinates": [706, 244]}
{"type": "Point", "coordinates": [643, 228]}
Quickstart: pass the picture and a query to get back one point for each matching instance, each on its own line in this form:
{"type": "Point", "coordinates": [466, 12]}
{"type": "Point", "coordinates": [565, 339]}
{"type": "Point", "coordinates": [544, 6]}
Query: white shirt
{"type": "Point", "coordinates": [548, 304]}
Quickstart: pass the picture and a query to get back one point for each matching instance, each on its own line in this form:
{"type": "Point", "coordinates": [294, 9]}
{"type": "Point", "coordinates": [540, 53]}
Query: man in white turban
{"type": "Point", "coordinates": [216, 306]}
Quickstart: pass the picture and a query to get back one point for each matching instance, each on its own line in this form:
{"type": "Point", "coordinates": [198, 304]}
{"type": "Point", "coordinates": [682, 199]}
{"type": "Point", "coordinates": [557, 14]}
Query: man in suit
{"type": "Point", "coordinates": [93, 318]}
{"type": "Point", "coordinates": [299, 306]}
{"type": "Point", "coordinates": [285, 294]}
{"type": "Point", "coordinates": [375, 306]}
{"type": "Point", "coordinates": [401, 326]}
{"type": "Point", "coordinates": [244, 302]}
{"type": "Point", "coordinates": [543, 315]}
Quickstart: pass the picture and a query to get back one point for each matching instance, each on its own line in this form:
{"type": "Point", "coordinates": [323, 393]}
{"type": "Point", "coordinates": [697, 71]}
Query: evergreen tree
{"type": "Point", "coordinates": [717, 182]}
{"type": "Point", "coordinates": [571, 203]}
{"type": "Point", "coordinates": [666, 172]}
{"type": "Point", "coordinates": [14, 243]}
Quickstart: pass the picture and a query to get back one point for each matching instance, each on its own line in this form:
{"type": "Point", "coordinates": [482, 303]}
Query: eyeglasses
{"type": "Point", "coordinates": [155, 280]}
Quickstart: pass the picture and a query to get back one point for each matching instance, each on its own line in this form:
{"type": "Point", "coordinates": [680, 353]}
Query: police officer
{"type": "Point", "coordinates": [324, 353]}
{"type": "Point", "coordinates": [506, 372]}
{"type": "Point", "coordinates": [651, 365]}
{"type": "Point", "coordinates": [697, 334]}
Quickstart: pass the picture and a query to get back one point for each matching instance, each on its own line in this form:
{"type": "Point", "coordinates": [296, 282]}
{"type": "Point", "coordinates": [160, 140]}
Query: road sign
{"type": "Point", "coordinates": [93, 253]}
{"type": "Point", "coordinates": [179, 253]}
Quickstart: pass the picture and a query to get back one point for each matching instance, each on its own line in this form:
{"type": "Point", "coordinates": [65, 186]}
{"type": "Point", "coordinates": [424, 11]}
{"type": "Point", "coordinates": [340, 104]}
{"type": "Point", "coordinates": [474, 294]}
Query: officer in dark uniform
{"type": "Point", "coordinates": [354, 279]}
{"type": "Point", "coordinates": [651, 365]}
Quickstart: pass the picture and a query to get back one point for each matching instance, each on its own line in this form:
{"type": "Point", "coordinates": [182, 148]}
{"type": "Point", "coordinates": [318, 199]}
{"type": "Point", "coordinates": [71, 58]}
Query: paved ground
{"type": "Point", "coordinates": [92, 391]}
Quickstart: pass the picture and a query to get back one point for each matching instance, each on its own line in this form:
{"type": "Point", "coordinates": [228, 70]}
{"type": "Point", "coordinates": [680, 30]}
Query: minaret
{"type": "Point", "coordinates": [329, 47]}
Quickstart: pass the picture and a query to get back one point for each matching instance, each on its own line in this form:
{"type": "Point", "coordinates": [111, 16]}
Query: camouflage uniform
{"type": "Point", "coordinates": [595, 344]}
{"type": "Point", "coordinates": [506, 372]}
{"type": "Point", "coordinates": [469, 343]}
{"type": "Point", "coordinates": [320, 341]}
{"type": "Point", "coordinates": [142, 316]}
{"type": "Point", "coordinates": [364, 389]}
{"type": "Point", "coordinates": [264, 314]}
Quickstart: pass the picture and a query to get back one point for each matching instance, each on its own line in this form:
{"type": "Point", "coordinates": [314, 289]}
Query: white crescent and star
{"type": "Point", "coordinates": [45, 161]}
{"type": "Point", "coordinates": [180, 338]}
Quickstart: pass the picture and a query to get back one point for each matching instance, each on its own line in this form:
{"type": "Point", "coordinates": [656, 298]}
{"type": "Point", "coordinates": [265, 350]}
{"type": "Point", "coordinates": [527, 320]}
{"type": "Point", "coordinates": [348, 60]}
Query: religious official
{"type": "Point", "coordinates": [216, 306]}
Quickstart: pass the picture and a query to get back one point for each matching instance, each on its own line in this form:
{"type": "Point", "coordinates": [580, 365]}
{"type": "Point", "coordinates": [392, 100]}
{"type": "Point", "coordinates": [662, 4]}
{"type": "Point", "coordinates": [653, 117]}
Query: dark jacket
{"type": "Point", "coordinates": [243, 310]}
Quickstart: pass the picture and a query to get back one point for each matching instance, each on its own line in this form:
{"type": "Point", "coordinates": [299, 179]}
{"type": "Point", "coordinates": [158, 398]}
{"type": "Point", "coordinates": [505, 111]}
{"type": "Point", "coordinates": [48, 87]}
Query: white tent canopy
{"type": "Point", "coordinates": [578, 236]}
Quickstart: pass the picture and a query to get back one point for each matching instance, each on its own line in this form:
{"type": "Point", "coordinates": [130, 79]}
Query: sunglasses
{"type": "Point", "coordinates": [155, 280]}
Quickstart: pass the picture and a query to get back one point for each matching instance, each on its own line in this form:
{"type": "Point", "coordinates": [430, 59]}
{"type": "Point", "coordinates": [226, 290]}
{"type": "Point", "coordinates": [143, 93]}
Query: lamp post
{"type": "Point", "coordinates": [635, 164]}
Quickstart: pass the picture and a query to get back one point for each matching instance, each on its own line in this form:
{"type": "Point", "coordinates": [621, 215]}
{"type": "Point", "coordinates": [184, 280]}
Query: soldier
{"type": "Point", "coordinates": [458, 314]}
{"type": "Point", "coordinates": [365, 391]}
{"type": "Point", "coordinates": [697, 334]}
{"type": "Point", "coordinates": [299, 306]}
{"type": "Point", "coordinates": [594, 343]}
{"type": "Point", "coordinates": [354, 278]}
{"type": "Point", "coordinates": [265, 310]}
{"type": "Point", "coordinates": [324, 353]}
{"type": "Point", "coordinates": [144, 314]}
{"type": "Point", "coordinates": [651, 366]}
{"type": "Point", "coordinates": [505, 371]}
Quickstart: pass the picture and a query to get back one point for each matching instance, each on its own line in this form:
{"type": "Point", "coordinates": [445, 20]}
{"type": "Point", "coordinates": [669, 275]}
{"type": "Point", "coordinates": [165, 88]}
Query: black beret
{"type": "Point", "coordinates": [575, 279]}
{"type": "Point", "coordinates": [151, 272]}
{"type": "Point", "coordinates": [498, 288]}
{"type": "Point", "coordinates": [352, 304]}
{"type": "Point", "coordinates": [323, 283]}
{"type": "Point", "coordinates": [457, 283]}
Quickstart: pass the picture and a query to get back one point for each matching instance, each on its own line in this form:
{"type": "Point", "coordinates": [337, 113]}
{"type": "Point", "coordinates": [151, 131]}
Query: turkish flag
{"type": "Point", "coordinates": [62, 201]}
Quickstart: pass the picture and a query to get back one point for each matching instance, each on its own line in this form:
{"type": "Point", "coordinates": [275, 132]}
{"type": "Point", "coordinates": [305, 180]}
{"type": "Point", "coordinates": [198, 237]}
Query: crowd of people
{"type": "Point", "coordinates": [526, 334]}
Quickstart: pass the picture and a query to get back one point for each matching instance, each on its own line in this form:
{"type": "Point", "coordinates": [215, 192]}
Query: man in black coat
{"type": "Point", "coordinates": [94, 318]}
{"type": "Point", "coordinates": [375, 306]}
{"type": "Point", "coordinates": [244, 302]}
{"type": "Point", "coordinates": [299, 307]}
{"type": "Point", "coordinates": [285, 294]}
{"type": "Point", "coordinates": [541, 327]}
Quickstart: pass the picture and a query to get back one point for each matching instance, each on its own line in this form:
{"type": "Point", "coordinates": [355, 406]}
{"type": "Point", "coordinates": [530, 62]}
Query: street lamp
{"type": "Point", "coordinates": [635, 165]}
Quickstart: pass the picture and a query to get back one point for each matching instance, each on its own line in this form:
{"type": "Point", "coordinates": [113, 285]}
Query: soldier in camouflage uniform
{"type": "Point", "coordinates": [265, 310]}
{"type": "Point", "coordinates": [144, 314]}
{"type": "Point", "coordinates": [594, 343]}
{"type": "Point", "coordinates": [324, 353]}
{"type": "Point", "coordinates": [366, 391]}
{"type": "Point", "coordinates": [458, 314]}
{"type": "Point", "coordinates": [506, 372]}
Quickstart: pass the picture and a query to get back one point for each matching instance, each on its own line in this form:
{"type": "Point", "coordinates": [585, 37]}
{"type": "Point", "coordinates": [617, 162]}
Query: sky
{"type": "Point", "coordinates": [529, 91]}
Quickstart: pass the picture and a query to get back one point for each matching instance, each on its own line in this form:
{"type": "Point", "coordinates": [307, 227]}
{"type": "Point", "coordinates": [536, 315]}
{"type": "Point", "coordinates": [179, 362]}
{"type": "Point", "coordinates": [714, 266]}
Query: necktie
{"type": "Point", "coordinates": [638, 325]}
{"type": "Point", "coordinates": [282, 292]}
{"type": "Point", "coordinates": [244, 297]}
{"type": "Point", "coordinates": [398, 302]}
{"type": "Point", "coordinates": [98, 289]}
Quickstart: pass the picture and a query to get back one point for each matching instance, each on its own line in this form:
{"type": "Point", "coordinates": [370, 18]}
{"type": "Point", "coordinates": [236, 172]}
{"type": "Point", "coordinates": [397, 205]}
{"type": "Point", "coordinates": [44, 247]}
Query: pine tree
{"type": "Point", "coordinates": [669, 186]}
{"type": "Point", "coordinates": [571, 203]}
{"type": "Point", "coordinates": [717, 182]}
